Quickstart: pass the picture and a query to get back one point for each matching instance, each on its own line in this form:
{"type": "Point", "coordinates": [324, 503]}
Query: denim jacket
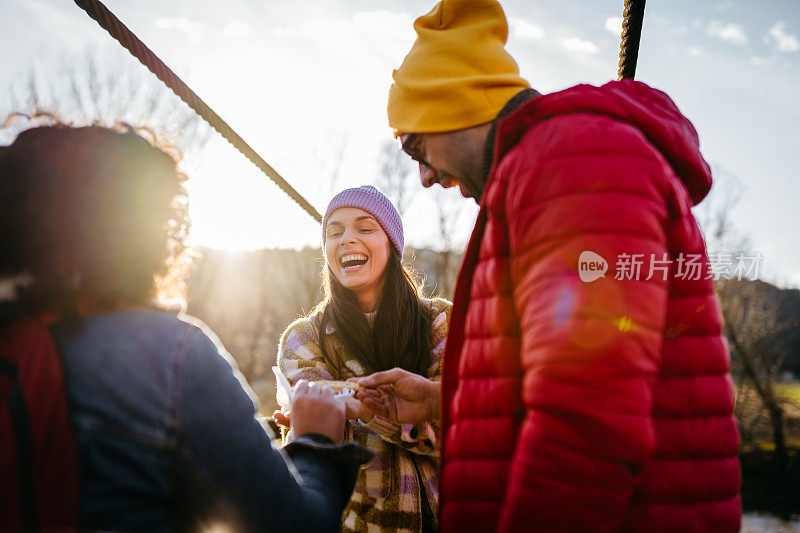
{"type": "Point", "coordinates": [168, 438]}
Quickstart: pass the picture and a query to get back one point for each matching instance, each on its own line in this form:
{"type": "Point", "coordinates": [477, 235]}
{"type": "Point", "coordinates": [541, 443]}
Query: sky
{"type": "Point", "coordinates": [305, 83]}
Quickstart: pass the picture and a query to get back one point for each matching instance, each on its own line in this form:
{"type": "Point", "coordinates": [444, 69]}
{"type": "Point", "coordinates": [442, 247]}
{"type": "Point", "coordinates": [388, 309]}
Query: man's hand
{"type": "Point", "coordinates": [400, 396]}
{"type": "Point", "coordinates": [357, 409]}
{"type": "Point", "coordinates": [315, 410]}
{"type": "Point", "coordinates": [353, 409]}
{"type": "Point", "coordinates": [283, 418]}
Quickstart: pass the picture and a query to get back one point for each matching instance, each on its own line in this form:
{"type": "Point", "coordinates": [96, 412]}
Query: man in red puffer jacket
{"type": "Point", "coordinates": [586, 379]}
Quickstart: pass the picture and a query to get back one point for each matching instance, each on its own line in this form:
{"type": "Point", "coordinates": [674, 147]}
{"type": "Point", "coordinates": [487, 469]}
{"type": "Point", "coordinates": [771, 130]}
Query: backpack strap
{"type": "Point", "coordinates": [38, 459]}
{"type": "Point", "coordinates": [21, 431]}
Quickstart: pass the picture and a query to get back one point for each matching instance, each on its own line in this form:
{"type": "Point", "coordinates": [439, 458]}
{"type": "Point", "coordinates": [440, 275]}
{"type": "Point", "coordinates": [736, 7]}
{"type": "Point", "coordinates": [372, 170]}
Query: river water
{"type": "Point", "coordinates": [761, 523]}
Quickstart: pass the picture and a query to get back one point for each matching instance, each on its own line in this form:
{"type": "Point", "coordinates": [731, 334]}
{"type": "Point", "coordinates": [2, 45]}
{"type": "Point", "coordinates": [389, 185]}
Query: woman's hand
{"type": "Point", "coordinates": [315, 410]}
{"type": "Point", "coordinates": [356, 409]}
{"type": "Point", "coordinates": [400, 396]}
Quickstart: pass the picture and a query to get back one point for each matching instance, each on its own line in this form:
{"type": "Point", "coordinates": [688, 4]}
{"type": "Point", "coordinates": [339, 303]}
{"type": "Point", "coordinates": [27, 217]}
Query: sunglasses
{"type": "Point", "coordinates": [410, 144]}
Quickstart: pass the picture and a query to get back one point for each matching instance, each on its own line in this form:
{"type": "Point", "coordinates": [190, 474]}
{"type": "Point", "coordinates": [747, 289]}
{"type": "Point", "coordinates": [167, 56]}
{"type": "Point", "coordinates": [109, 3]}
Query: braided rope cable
{"type": "Point", "coordinates": [632, 20]}
{"type": "Point", "coordinates": [125, 37]}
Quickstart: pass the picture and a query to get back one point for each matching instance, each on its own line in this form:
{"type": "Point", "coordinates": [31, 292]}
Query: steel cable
{"type": "Point", "coordinates": [120, 32]}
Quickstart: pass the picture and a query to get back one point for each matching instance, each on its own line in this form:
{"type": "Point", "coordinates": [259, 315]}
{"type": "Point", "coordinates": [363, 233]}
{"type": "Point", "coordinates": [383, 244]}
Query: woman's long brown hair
{"type": "Point", "coordinates": [400, 335]}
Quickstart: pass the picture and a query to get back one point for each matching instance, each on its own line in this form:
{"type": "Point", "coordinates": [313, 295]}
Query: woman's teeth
{"type": "Point", "coordinates": [353, 261]}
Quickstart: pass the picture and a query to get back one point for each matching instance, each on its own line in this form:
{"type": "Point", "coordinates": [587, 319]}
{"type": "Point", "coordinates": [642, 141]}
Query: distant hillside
{"type": "Point", "coordinates": [785, 320]}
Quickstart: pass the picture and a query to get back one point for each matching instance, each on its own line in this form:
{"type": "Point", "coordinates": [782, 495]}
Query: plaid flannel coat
{"type": "Point", "coordinates": [387, 495]}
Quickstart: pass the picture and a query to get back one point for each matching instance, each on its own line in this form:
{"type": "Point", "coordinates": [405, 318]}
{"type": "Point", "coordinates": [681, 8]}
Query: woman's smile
{"type": "Point", "coordinates": [353, 262]}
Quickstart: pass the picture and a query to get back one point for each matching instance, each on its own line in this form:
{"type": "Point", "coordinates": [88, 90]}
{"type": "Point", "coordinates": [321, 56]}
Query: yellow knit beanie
{"type": "Point", "coordinates": [458, 73]}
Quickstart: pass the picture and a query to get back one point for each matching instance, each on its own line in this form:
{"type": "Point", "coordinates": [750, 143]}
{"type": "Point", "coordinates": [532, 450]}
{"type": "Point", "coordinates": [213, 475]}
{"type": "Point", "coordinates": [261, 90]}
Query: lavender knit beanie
{"type": "Point", "coordinates": [376, 204]}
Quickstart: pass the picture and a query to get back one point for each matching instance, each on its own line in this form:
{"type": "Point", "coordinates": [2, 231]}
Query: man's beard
{"type": "Point", "coordinates": [471, 176]}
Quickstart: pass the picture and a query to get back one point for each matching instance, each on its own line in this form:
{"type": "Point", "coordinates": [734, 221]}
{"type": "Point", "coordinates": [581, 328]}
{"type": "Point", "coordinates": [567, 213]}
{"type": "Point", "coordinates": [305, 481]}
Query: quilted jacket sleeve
{"type": "Point", "coordinates": [589, 350]}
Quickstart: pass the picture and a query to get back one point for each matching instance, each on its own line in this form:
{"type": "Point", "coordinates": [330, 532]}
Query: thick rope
{"type": "Point", "coordinates": [631, 34]}
{"type": "Point", "coordinates": [115, 28]}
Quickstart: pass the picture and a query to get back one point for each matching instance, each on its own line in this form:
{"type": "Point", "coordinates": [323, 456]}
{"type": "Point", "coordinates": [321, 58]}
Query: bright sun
{"type": "Point", "coordinates": [234, 207]}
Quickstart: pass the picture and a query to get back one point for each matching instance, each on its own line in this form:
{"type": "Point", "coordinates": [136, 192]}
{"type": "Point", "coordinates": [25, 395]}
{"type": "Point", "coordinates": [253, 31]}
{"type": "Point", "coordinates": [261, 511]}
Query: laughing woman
{"type": "Point", "coordinates": [371, 319]}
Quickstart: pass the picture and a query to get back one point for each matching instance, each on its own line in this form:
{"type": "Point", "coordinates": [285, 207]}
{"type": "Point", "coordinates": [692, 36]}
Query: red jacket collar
{"type": "Point", "coordinates": [648, 109]}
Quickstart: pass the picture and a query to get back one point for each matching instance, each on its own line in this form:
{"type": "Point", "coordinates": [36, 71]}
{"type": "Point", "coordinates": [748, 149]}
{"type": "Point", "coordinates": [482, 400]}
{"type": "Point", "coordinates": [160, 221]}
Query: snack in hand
{"type": "Point", "coordinates": [341, 388]}
{"type": "Point", "coordinates": [284, 392]}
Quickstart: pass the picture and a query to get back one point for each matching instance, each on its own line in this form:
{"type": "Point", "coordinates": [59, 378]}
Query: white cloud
{"type": "Point", "coordinates": [783, 41]}
{"type": "Point", "coordinates": [794, 280]}
{"type": "Point", "coordinates": [575, 44]}
{"type": "Point", "coordinates": [286, 31]}
{"type": "Point", "coordinates": [759, 61]}
{"type": "Point", "coordinates": [695, 51]}
{"type": "Point", "coordinates": [165, 24]}
{"type": "Point", "coordinates": [237, 30]}
{"type": "Point", "coordinates": [732, 33]}
{"type": "Point", "coordinates": [614, 25]}
{"type": "Point", "coordinates": [193, 29]}
{"type": "Point", "coordinates": [525, 30]}
{"type": "Point", "coordinates": [181, 24]}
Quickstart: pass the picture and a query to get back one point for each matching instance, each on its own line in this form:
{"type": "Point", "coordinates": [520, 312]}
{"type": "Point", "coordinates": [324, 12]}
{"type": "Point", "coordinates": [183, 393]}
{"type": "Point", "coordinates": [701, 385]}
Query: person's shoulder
{"type": "Point", "coordinates": [302, 331]}
{"type": "Point", "coordinates": [154, 338]}
{"type": "Point", "coordinates": [440, 310]}
{"type": "Point", "coordinates": [575, 122]}
{"type": "Point", "coordinates": [205, 357]}
{"type": "Point", "coordinates": [304, 325]}
{"type": "Point", "coordinates": [440, 305]}
{"type": "Point", "coordinates": [440, 325]}
{"type": "Point", "coordinates": [150, 323]}
{"type": "Point", "coordinates": [194, 325]}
